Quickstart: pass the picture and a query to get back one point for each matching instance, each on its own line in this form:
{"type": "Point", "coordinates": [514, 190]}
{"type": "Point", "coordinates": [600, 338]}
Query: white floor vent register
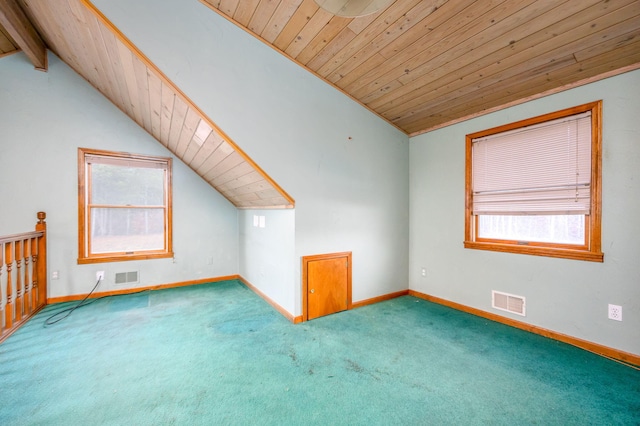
{"type": "Point", "coordinates": [508, 302]}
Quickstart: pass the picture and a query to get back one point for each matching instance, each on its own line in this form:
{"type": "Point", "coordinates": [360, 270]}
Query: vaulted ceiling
{"type": "Point", "coordinates": [419, 64]}
{"type": "Point", "coordinates": [422, 64]}
{"type": "Point", "coordinates": [83, 38]}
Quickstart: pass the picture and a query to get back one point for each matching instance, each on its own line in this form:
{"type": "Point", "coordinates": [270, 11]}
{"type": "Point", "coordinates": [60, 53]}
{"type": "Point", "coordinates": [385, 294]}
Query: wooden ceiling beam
{"type": "Point", "coordinates": [20, 28]}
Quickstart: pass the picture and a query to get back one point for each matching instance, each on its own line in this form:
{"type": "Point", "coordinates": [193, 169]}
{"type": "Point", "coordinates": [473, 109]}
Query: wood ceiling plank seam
{"type": "Point", "coordinates": [342, 39]}
{"type": "Point", "coordinates": [188, 131]}
{"type": "Point", "coordinates": [468, 52]}
{"type": "Point", "coordinates": [241, 181]}
{"type": "Point", "coordinates": [510, 28]}
{"type": "Point", "coordinates": [526, 21]}
{"type": "Point", "coordinates": [267, 194]}
{"type": "Point", "coordinates": [44, 23]}
{"type": "Point", "coordinates": [111, 50]}
{"type": "Point", "coordinates": [308, 33]}
{"type": "Point", "coordinates": [252, 196]}
{"type": "Point", "coordinates": [487, 93]}
{"type": "Point", "coordinates": [224, 166]}
{"type": "Point", "coordinates": [545, 90]}
{"type": "Point", "coordinates": [374, 61]}
{"type": "Point", "coordinates": [155, 103]}
{"type": "Point", "coordinates": [251, 188]}
{"type": "Point", "coordinates": [536, 49]}
{"type": "Point", "coordinates": [378, 26]}
{"type": "Point", "coordinates": [402, 25]}
{"type": "Point", "coordinates": [126, 59]}
{"type": "Point", "coordinates": [608, 45]}
{"type": "Point", "coordinates": [404, 53]}
{"type": "Point", "coordinates": [328, 33]}
{"type": "Point", "coordinates": [208, 147]}
{"type": "Point", "coordinates": [305, 13]}
{"type": "Point", "coordinates": [16, 22]}
{"type": "Point", "coordinates": [359, 24]}
{"type": "Point", "coordinates": [228, 7]}
{"type": "Point", "coordinates": [179, 94]}
{"type": "Point", "coordinates": [88, 54]}
{"type": "Point", "coordinates": [435, 51]}
{"type": "Point", "coordinates": [221, 152]}
{"type": "Point", "coordinates": [105, 62]}
{"type": "Point", "coordinates": [168, 99]}
{"type": "Point", "coordinates": [513, 90]}
{"type": "Point", "coordinates": [194, 147]}
{"type": "Point", "coordinates": [439, 124]}
{"type": "Point", "coordinates": [282, 15]}
{"type": "Point", "coordinates": [262, 15]}
{"type": "Point", "coordinates": [180, 109]}
{"type": "Point", "coordinates": [231, 174]}
{"type": "Point", "coordinates": [142, 81]}
{"type": "Point", "coordinates": [244, 12]}
{"type": "Point", "coordinates": [76, 51]}
{"type": "Point", "coordinates": [214, 3]}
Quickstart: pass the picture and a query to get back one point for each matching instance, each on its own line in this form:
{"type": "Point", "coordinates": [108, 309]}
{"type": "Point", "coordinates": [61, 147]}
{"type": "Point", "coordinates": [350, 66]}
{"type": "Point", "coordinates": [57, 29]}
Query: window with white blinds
{"type": "Point", "coordinates": [534, 186]}
{"type": "Point", "coordinates": [539, 169]}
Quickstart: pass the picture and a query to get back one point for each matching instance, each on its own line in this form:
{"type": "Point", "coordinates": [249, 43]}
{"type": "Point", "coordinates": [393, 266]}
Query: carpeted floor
{"type": "Point", "coordinates": [218, 354]}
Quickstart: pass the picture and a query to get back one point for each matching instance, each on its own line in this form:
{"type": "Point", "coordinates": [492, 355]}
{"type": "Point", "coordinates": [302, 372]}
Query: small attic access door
{"type": "Point", "coordinates": [326, 284]}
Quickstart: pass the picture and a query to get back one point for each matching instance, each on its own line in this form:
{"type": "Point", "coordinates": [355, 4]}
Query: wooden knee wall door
{"type": "Point", "coordinates": [326, 284]}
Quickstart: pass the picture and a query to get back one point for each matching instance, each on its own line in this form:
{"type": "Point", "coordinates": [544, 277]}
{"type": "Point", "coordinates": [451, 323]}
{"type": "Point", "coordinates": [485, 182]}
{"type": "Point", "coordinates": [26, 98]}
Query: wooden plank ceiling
{"type": "Point", "coordinates": [83, 38]}
{"type": "Point", "coordinates": [422, 64]}
{"type": "Point", "coordinates": [7, 45]}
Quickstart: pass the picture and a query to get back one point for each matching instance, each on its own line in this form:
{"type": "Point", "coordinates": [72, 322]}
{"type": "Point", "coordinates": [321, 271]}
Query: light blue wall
{"type": "Point", "coordinates": [44, 118]}
{"type": "Point", "coordinates": [346, 168]}
{"type": "Point", "coordinates": [567, 296]}
{"type": "Point", "coordinates": [266, 253]}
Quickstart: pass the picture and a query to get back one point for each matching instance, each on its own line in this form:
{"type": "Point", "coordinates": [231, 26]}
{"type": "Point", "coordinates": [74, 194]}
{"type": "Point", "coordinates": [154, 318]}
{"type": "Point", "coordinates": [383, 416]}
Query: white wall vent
{"type": "Point", "coordinates": [508, 302]}
{"type": "Point", "coordinates": [126, 277]}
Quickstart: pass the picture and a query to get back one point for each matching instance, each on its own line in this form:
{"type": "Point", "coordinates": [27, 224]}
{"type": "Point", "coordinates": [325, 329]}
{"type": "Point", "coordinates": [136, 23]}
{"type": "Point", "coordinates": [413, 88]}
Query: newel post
{"type": "Point", "coordinates": [41, 268]}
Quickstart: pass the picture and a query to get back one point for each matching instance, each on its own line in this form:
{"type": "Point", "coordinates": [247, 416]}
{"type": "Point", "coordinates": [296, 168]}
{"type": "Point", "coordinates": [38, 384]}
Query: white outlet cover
{"type": "Point", "coordinates": [615, 312]}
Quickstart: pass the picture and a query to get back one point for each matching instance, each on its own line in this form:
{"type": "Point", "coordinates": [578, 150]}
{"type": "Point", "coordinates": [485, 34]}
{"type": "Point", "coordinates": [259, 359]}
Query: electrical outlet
{"type": "Point", "coordinates": [55, 275]}
{"type": "Point", "coordinates": [423, 272]}
{"type": "Point", "coordinates": [100, 276]}
{"type": "Point", "coordinates": [615, 312]}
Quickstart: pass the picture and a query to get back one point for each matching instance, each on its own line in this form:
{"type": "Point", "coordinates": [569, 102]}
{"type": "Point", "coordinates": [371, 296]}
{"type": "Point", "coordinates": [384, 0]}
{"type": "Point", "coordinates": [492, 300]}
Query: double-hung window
{"type": "Point", "coordinates": [533, 187]}
{"type": "Point", "coordinates": [124, 206]}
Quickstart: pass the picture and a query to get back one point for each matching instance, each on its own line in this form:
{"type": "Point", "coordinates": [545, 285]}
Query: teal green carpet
{"type": "Point", "coordinates": [218, 354]}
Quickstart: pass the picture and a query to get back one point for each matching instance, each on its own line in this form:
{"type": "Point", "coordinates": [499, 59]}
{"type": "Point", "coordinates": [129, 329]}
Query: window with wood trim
{"type": "Point", "coordinates": [124, 206]}
{"type": "Point", "coordinates": [534, 187]}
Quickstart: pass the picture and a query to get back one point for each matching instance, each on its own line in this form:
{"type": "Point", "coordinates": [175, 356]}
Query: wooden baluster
{"type": "Point", "coordinates": [17, 246]}
{"type": "Point", "coordinates": [34, 273]}
{"type": "Point", "coordinates": [2, 326]}
{"type": "Point", "coordinates": [42, 259]}
{"type": "Point", "coordinates": [8, 309]}
{"type": "Point", "coordinates": [27, 288]}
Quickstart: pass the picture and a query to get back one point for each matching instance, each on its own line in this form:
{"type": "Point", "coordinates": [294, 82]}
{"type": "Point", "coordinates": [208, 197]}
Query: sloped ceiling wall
{"type": "Point", "coordinates": [83, 38]}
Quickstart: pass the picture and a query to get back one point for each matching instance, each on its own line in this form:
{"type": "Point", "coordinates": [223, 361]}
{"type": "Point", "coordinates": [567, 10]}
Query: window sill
{"type": "Point", "coordinates": [563, 253]}
{"type": "Point", "coordinates": [123, 258]}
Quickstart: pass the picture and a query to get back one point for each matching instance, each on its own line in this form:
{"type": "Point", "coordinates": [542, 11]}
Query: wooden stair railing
{"type": "Point", "coordinates": [23, 276]}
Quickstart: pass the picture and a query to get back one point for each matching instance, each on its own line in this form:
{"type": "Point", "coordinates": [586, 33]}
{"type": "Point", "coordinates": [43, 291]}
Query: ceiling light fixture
{"type": "Point", "coordinates": [352, 8]}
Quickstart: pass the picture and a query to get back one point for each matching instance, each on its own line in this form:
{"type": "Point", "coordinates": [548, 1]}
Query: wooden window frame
{"type": "Point", "coordinates": [592, 248]}
{"type": "Point", "coordinates": [84, 186]}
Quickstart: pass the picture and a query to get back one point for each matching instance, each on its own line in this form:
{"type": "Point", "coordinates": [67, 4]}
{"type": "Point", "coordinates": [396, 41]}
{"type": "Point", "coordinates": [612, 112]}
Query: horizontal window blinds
{"type": "Point", "coordinates": [126, 161]}
{"type": "Point", "coordinates": [539, 169]}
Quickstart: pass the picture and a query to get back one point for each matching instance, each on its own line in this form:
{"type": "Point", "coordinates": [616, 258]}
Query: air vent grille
{"type": "Point", "coordinates": [126, 277]}
{"type": "Point", "coordinates": [508, 302]}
